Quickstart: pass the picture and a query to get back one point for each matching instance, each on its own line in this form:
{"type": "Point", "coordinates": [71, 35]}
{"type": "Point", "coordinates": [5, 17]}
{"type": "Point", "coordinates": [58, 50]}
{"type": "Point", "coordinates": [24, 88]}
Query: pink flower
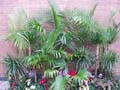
{"type": "Point", "coordinates": [42, 81]}
{"type": "Point", "coordinates": [46, 86]}
{"type": "Point", "coordinates": [13, 84]}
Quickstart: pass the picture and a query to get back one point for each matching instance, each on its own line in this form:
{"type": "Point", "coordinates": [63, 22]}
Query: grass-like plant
{"type": "Point", "coordinates": [108, 61]}
{"type": "Point", "coordinates": [15, 67]}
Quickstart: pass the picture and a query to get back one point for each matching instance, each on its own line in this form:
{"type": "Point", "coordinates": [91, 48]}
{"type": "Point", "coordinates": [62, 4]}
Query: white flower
{"type": "Point", "coordinates": [32, 87]}
{"type": "Point", "coordinates": [27, 89]}
{"type": "Point", "coordinates": [28, 83]}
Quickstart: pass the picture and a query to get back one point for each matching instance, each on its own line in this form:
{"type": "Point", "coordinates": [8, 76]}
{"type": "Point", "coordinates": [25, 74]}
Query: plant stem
{"type": "Point", "coordinates": [77, 65]}
{"type": "Point", "coordinates": [35, 77]}
{"type": "Point", "coordinates": [97, 59]}
{"type": "Point", "coordinates": [29, 51]}
{"type": "Point", "coordinates": [97, 52]}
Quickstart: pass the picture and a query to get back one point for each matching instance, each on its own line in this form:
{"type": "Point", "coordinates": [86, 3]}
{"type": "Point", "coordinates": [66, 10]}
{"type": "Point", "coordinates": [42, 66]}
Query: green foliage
{"type": "Point", "coordinates": [34, 32]}
{"type": "Point", "coordinates": [82, 25]}
{"type": "Point", "coordinates": [52, 50]}
{"type": "Point", "coordinates": [59, 84]}
{"type": "Point", "coordinates": [61, 64]}
{"type": "Point", "coordinates": [116, 85]}
{"type": "Point", "coordinates": [108, 60]}
{"type": "Point", "coordinates": [33, 60]}
{"type": "Point", "coordinates": [21, 84]}
{"type": "Point", "coordinates": [84, 58]}
{"type": "Point", "coordinates": [15, 67]}
{"type": "Point", "coordinates": [104, 36]}
{"type": "Point", "coordinates": [98, 37]}
{"type": "Point", "coordinates": [51, 73]}
{"type": "Point", "coordinates": [47, 41]}
{"type": "Point", "coordinates": [19, 40]}
{"type": "Point", "coordinates": [18, 26]}
{"type": "Point", "coordinates": [81, 76]}
{"type": "Point", "coordinates": [92, 87]}
{"type": "Point", "coordinates": [70, 83]}
{"type": "Point", "coordinates": [25, 84]}
{"type": "Point", "coordinates": [111, 35]}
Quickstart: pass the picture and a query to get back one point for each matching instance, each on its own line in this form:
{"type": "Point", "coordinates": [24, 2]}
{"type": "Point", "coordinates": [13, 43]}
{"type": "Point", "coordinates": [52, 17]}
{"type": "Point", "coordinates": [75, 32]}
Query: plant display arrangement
{"type": "Point", "coordinates": [72, 55]}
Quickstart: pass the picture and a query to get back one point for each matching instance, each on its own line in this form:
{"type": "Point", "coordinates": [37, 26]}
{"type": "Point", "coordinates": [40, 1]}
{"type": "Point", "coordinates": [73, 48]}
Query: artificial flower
{"type": "Point", "coordinates": [42, 81]}
{"type": "Point", "coordinates": [46, 86]}
{"type": "Point", "coordinates": [100, 75]}
{"type": "Point", "coordinates": [32, 87]}
{"type": "Point", "coordinates": [27, 89]}
{"type": "Point", "coordinates": [28, 81]}
{"type": "Point", "coordinates": [13, 84]}
{"type": "Point", "coordinates": [72, 73]}
{"type": "Point", "coordinates": [63, 72]}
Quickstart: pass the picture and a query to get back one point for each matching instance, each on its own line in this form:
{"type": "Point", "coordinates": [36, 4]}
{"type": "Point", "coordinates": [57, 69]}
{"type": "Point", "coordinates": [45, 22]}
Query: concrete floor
{"type": "Point", "coordinates": [4, 85]}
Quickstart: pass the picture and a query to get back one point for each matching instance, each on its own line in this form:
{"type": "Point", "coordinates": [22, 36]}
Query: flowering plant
{"type": "Point", "coordinates": [72, 73]}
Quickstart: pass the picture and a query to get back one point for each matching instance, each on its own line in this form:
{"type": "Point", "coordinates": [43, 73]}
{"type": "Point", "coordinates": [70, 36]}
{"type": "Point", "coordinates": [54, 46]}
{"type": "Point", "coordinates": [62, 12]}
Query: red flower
{"type": "Point", "coordinates": [72, 73]}
{"type": "Point", "coordinates": [90, 78]}
{"type": "Point", "coordinates": [13, 84]}
{"type": "Point", "coordinates": [42, 81]}
{"type": "Point", "coordinates": [46, 86]}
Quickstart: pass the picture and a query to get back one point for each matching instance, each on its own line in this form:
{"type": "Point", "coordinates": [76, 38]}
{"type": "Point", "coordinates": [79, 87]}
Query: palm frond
{"type": "Point", "coordinates": [15, 66]}
{"type": "Point", "coordinates": [61, 64]}
{"type": "Point", "coordinates": [93, 10]}
{"type": "Point", "coordinates": [82, 76]}
{"type": "Point", "coordinates": [108, 61]}
{"type": "Point", "coordinates": [59, 83]}
{"type": "Point", "coordinates": [111, 35]}
{"type": "Point", "coordinates": [51, 73]}
{"type": "Point", "coordinates": [18, 25]}
{"type": "Point", "coordinates": [84, 58]}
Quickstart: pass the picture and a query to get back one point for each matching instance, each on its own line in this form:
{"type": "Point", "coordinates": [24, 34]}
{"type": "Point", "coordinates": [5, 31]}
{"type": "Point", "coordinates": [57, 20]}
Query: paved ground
{"type": "Point", "coordinates": [4, 85]}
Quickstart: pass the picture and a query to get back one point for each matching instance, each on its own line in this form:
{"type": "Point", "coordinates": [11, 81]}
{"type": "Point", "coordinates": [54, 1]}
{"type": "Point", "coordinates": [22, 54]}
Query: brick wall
{"type": "Point", "coordinates": [7, 7]}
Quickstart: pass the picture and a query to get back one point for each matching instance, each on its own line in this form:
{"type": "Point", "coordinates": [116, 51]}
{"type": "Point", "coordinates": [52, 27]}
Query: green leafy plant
{"type": "Point", "coordinates": [111, 33]}
{"type": "Point", "coordinates": [51, 52]}
{"type": "Point", "coordinates": [51, 73]}
{"type": "Point", "coordinates": [108, 61]}
{"type": "Point", "coordinates": [59, 84]}
{"type": "Point", "coordinates": [15, 67]}
{"type": "Point", "coordinates": [18, 26]}
{"type": "Point", "coordinates": [84, 58]}
{"type": "Point", "coordinates": [70, 83]}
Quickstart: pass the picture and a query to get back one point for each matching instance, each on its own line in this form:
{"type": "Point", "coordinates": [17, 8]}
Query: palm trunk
{"type": "Point", "coordinates": [97, 52]}
{"type": "Point", "coordinates": [20, 52]}
{"type": "Point", "coordinates": [97, 59]}
{"type": "Point", "coordinates": [35, 73]}
{"type": "Point", "coordinates": [29, 51]}
{"type": "Point", "coordinates": [107, 48]}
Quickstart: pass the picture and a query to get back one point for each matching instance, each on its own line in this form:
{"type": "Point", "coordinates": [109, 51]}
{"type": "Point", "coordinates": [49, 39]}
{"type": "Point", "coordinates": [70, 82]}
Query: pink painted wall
{"type": "Point", "coordinates": [7, 7]}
